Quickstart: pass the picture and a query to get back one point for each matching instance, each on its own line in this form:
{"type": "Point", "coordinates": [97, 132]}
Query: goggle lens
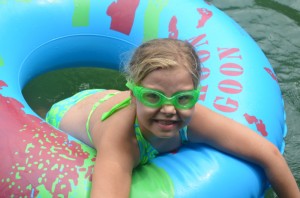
{"type": "Point", "coordinates": [151, 97]}
{"type": "Point", "coordinates": [185, 99]}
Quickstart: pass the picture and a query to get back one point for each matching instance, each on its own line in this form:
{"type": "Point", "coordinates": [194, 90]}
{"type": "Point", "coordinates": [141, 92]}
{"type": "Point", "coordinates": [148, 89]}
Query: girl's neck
{"type": "Point", "coordinates": [162, 145]}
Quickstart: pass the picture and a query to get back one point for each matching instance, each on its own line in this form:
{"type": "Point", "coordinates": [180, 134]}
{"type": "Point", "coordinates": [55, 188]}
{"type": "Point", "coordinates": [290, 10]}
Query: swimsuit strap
{"type": "Point", "coordinates": [59, 109]}
{"type": "Point", "coordinates": [92, 111]}
{"type": "Point", "coordinates": [116, 108]}
{"type": "Point", "coordinates": [183, 135]}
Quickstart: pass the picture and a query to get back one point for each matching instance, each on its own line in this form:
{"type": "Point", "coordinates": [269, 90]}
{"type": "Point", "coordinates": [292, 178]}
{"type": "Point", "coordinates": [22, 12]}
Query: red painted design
{"type": "Point", "coordinates": [272, 74]}
{"type": "Point", "coordinates": [173, 30]}
{"type": "Point", "coordinates": [205, 73]}
{"type": "Point", "coordinates": [231, 69]}
{"type": "Point", "coordinates": [205, 16]}
{"type": "Point", "coordinates": [226, 104]}
{"type": "Point", "coordinates": [203, 93]}
{"type": "Point", "coordinates": [229, 53]}
{"type": "Point", "coordinates": [230, 86]}
{"type": "Point", "coordinates": [89, 173]}
{"type": "Point", "coordinates": [2, 84]}
{"type": "Point", "coordinates": [260, 126]}
{"type": "Point", "coordinates": [34, 154]}
{"type": "Point", "coordinates": [199, 42]}
{"type": "Point", "coordinates": [122, 15]}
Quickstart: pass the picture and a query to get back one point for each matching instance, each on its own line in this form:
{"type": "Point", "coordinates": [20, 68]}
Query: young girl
{"type": "Point", "coordinates": [158, 114]}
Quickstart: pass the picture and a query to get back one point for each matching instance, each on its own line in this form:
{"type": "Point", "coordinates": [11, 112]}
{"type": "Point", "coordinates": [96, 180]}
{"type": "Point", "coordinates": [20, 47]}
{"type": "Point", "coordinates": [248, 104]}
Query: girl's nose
{"type": "Point", "coordinates": [168, 109]}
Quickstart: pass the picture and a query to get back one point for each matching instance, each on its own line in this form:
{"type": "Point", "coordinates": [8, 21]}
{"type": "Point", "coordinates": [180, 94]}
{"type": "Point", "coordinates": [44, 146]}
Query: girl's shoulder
{"type": "Point", "coordinates": [114, 123]}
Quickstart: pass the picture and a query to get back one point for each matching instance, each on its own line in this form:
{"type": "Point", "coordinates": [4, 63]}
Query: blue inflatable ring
{"type": "Point", "coordinates": [37, 36]}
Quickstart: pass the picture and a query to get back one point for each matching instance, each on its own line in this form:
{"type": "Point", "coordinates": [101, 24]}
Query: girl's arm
{"type": "Point", "coordinates": [111, 178]}
{"type": "Point", "coordinates": [112, 171]}
{"type": "Point", "coordinates": [229, 136]}
{"type": "Point", "coordinates": [117, 155]}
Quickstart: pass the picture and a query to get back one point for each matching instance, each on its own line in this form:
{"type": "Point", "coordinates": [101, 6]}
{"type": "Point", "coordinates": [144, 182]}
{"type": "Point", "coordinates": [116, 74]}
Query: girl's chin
{"type": "Point", "coordinates": [166, 132]}
{"type": "Point", "coordinates": [167, 136]}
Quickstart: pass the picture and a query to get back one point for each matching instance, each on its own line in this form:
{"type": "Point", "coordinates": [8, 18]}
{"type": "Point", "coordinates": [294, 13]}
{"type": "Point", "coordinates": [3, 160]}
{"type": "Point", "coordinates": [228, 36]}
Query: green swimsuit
{"type": "Point", "coordinates": [147, 151]}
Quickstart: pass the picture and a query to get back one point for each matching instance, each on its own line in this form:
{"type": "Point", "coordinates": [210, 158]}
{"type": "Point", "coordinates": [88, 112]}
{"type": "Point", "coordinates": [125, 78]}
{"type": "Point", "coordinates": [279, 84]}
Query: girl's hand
{"type": "Point", "coordinates": [236, 139]}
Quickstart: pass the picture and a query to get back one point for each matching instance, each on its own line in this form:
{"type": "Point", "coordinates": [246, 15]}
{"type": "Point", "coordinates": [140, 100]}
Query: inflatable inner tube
{"type": "Point", "coordinates": [238, 81]}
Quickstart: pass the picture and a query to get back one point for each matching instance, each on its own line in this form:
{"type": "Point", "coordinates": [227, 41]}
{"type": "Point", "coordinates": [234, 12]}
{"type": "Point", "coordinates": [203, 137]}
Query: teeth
{"type": "Point", "coordinates": [166, 122]}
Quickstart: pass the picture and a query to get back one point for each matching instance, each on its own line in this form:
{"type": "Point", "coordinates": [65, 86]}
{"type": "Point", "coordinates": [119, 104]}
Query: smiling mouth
{"type": "Point", "coordinates": [167, 124]}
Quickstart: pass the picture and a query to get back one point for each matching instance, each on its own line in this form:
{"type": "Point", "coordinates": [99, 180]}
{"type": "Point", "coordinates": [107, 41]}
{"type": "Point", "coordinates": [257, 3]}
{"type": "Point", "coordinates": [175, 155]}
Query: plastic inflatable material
{"type": "Point", "coordinates": [37, 36]}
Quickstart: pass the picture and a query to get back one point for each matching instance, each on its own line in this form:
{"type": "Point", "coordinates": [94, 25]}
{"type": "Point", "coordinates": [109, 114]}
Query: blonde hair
{"type": "Point", "coordinates": [162, 54]}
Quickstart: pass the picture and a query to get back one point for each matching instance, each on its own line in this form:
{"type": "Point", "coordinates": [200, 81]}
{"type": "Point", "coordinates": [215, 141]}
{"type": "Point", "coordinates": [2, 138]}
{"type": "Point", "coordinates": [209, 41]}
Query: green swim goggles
{"type": "Point", "coordinates": [155, 99]}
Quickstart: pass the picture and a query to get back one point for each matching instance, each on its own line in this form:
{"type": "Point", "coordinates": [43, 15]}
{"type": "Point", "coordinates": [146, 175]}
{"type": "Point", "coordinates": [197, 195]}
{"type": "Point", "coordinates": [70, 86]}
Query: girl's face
{"type": "Point", "coordinates": [165, 121]}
